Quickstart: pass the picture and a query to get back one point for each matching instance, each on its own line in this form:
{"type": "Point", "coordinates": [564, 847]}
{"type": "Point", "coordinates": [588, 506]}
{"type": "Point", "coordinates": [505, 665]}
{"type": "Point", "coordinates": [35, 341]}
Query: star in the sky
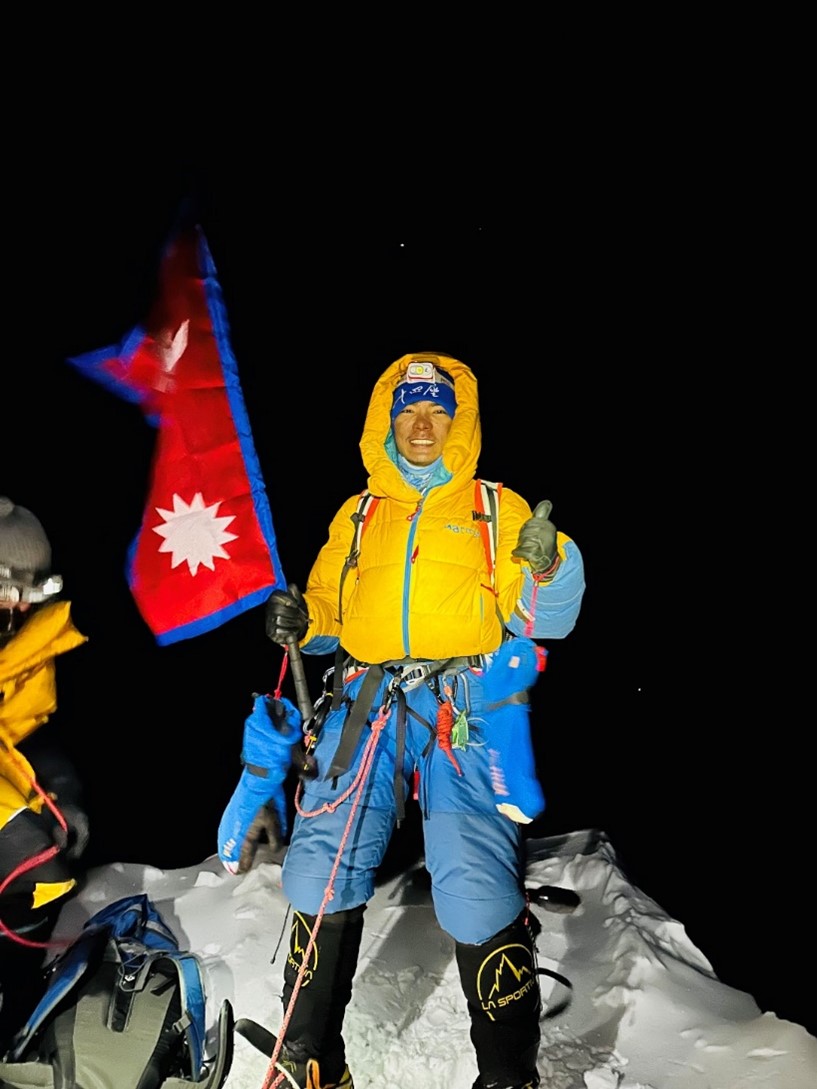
{"type": "Point", "coordinates": [193, 533]}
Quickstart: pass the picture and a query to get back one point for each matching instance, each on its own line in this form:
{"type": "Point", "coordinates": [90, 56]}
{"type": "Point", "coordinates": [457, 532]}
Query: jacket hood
{"type": "Point", "coordinates": [462, 447]}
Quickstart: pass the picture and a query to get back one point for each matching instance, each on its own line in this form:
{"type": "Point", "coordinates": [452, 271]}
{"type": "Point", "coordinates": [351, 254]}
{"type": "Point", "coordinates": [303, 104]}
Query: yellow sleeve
{"type": "Point", "coordinates": [323, 584]}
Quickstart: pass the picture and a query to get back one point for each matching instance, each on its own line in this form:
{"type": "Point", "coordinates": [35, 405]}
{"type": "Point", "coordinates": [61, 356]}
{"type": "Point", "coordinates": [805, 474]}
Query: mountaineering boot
{"type": "Point", "coordinates": [314, 1044]}
{"type": "Point", "coordinates": [501, 985]}
{"type": "Point", "coordinates": [307, 1074]}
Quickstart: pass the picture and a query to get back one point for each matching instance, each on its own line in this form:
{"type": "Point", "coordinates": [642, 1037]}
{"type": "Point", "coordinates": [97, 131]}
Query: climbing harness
{"type": "Point", "coordinates": [406, 675]}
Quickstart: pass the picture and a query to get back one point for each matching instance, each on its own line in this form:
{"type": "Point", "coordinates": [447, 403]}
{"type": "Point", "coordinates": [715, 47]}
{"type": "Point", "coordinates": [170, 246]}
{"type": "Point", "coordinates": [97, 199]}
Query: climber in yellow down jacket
{"type": "Point", "coordinates": [40, 811]}
{"type": "Point", "coordinates": [439, 634]}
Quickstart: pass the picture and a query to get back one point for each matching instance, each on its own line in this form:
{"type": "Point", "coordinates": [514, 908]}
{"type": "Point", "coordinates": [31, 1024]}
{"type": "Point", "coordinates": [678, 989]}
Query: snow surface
{"type": "Point", "coordinates": [630, 1002]}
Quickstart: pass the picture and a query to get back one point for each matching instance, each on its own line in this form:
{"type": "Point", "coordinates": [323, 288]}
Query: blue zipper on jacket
{"type": "Point", "coordinates": [410, 558]}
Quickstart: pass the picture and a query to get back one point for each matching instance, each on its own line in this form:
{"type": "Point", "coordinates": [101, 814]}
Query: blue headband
{"type": "Point", "coordinates": [425, 382]}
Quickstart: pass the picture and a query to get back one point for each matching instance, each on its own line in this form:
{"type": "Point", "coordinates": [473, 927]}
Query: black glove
{"type": "Point", "coordinates": [75, 839]}
{"type": "Point", "coordinates": [537, 540]}
{"type": "Point", "coordinates": [264, 828]}
{"type": "Point", "coordinates": [287, 616]}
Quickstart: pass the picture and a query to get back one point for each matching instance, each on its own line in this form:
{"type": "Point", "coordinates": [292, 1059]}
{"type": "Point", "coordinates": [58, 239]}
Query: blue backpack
{"type": "Point", "coordinates": [124, 1008]}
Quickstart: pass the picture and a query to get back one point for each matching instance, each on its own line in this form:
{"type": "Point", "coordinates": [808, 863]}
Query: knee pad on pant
{"type": "Point", "coordinates": [500, 983]}
{"type": "Point", "coordinates": [314, 1029]}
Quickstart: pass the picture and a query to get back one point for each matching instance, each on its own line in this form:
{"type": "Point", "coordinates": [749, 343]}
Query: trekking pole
{"type": "Point", "coordinates": [299, 677]}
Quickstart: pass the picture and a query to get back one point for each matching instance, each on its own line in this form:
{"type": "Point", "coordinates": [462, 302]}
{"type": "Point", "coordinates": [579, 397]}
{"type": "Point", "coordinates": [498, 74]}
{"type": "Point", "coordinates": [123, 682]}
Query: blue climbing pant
{"type": "Point", "coordinates": [473, 853]}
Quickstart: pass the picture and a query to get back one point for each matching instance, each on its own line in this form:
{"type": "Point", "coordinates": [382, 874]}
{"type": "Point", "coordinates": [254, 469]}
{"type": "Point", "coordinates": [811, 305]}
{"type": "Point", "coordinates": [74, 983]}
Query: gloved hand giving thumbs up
{"type": "Point", "coordinates": [537, 540]}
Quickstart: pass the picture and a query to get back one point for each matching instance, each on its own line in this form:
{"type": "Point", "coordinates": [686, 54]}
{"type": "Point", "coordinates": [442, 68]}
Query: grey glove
{"type": "Point", "coordinates": [287, 616]}
{"type": "Point", "coordinates": [75, 839]}
{"type": "Point", "coordinates": [537, 539]}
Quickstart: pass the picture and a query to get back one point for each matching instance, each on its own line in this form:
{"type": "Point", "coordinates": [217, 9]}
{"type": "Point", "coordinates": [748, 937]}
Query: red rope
{"type": "Point", "coordinates": [29, 864]}
{"type": "Point", "coordinates": [282, 674]}
{"type": "Point", "coordinates": [36, 860]}
{"type": "Point", "coordinates": [529, 624]}
{"type": "Point", "coordinates": [270, 1078]}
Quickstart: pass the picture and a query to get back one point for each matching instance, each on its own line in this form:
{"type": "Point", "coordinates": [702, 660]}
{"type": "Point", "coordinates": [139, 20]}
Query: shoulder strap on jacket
{"type": "Point", "coordinates": [365, 508]}
{"type": "Point", "coordinates": [486, 499]}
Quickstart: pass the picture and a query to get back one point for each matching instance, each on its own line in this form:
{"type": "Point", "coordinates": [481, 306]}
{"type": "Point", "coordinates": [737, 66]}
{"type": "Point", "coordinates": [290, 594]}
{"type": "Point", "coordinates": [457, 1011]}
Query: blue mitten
{"type": "Point", "coordinates": [258, 803]}
{"type": "Point", "coordinates": [513, 670]}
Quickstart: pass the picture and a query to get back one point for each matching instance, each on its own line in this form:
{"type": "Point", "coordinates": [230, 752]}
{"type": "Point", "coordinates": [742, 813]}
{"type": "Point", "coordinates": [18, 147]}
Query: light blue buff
{"type": "Point", "coordinates": [270, 731]}
{"type": "Point", "coordinates": [421, 477]}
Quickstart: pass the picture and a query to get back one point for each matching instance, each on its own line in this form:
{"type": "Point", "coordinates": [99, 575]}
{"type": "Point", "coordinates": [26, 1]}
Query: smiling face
{"type": "Point", "coordinates": [420, 430]}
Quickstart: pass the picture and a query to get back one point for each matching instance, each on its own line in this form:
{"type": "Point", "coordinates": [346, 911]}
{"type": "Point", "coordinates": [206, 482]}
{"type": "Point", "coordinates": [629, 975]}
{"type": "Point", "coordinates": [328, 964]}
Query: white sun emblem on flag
{"type": "Point", "coordinates": [193, 533]}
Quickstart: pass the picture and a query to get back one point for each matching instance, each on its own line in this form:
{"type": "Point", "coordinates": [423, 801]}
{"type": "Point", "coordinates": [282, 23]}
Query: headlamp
{"type": "Point", "coordinates": [15, 590]}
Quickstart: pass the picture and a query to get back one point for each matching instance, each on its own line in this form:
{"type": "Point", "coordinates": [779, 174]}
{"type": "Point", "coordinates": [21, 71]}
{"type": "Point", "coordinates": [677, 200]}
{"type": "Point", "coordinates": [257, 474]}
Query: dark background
{"type": "Point", "coordinates": [616, 353]}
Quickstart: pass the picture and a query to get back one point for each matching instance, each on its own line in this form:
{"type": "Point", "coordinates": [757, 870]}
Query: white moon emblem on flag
{"type": "Point", "coordinates": [170, 347]}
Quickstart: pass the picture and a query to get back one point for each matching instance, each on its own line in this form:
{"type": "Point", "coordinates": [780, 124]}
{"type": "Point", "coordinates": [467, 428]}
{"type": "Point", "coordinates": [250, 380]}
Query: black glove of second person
{"type": "Point", "coordinates": [287, 616]}
{"type": "Point", "coordinates": [74, 839]}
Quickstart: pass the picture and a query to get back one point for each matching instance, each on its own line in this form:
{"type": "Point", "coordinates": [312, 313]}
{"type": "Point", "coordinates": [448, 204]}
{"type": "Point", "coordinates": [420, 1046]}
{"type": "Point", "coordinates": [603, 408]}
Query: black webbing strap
{"type": "Point", "coordinates": [256, 769]}
{"type": "Point", "coordinates": [359, 714]}
{"type": "Point", "coordinates": [353, 727]}
{"type": "Point", "coordinates": [403, 711]}
{"type": "Point", "coordinates": [337, 677]}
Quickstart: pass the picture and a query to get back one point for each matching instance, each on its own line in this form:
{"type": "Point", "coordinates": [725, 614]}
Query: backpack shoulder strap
{"type": "Point", "coordinates": [365, 509]}
{"type": "Point", "coordinates": [486, 514]}
{"type": "Point", "coordinates": [194, 1012]}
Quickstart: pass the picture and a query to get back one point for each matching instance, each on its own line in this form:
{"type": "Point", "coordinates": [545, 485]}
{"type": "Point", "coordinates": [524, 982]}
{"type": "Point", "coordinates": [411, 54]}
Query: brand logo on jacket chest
{"type": "Point", "coordinates": [469, 531]}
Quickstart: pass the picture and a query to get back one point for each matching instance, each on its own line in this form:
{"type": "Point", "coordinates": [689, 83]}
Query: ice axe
{"type": "Point", "coordinates": [305, 705]}
{"type": "Point", "coordinates": [299, 677]}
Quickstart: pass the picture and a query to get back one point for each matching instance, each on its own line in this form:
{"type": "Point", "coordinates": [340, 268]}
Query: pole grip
{"type": "Point", "coordinates": [299, 677]}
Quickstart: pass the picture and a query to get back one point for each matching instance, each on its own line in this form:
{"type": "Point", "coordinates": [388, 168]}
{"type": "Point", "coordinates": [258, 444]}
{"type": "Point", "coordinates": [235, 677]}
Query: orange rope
{"type": "Point", "coordinates": [445, 724]}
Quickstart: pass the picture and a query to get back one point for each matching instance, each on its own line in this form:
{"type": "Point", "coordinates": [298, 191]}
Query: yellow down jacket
{"type": "Point", "coordinates": [422, 587]}
{"type": "Point", "coordinates": [28, 696]}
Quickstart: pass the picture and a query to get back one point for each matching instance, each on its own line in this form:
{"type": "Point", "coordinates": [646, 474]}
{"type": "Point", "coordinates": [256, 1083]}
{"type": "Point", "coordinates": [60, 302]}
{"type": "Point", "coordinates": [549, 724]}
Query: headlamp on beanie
{"type": "Point", "coordinates": [13, 588]}
{"type": "Point", "coordinates": [25, 558]}
{"type": "Point", "coordinates": [424, 381]}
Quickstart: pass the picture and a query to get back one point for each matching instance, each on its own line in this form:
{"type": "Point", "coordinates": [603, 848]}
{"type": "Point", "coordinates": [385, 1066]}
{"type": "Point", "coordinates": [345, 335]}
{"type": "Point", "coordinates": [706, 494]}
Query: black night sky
{"type": "Point", "coordinates": [612, 381]}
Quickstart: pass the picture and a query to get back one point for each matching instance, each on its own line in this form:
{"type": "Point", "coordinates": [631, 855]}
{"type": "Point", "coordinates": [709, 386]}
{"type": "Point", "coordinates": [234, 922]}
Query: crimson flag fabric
{"type": "Point", "coordinates": [206, 549]}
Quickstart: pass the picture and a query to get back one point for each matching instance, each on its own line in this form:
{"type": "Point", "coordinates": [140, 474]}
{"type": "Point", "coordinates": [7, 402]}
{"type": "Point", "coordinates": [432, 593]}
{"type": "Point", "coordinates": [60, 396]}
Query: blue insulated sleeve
{"type": "Point", "coordinates": [270, 731]}
{"type": "Point", "coordinates": [321, 644]}
{"type": "Point", "coordinates": [557, 604]}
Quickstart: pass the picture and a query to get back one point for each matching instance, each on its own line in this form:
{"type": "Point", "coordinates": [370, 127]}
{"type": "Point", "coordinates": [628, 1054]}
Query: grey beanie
{"type": "Point", "coordinates": [24, 547]}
